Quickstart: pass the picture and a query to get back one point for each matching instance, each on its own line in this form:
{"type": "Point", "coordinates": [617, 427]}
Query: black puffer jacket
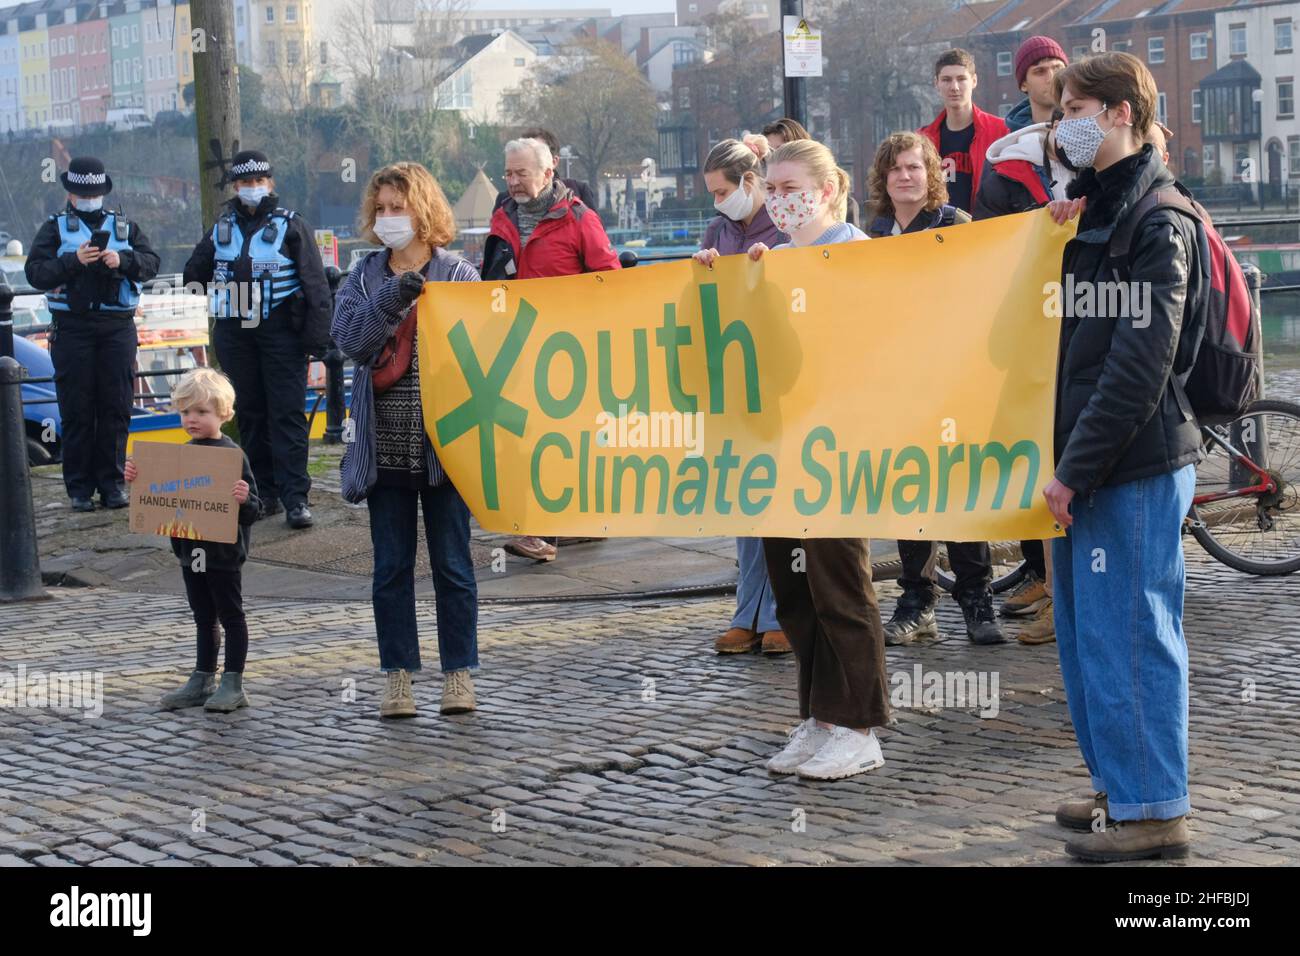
{"type": "Point", "coordinates": [1118, 415]}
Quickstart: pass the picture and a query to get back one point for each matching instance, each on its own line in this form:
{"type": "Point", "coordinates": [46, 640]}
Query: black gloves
{"type": "Point", "coordinates": [409, 286]}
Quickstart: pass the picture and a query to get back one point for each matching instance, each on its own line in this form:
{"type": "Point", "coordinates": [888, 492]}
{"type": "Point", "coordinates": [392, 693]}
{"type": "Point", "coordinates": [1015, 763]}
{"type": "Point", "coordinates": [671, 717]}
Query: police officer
{"type": "Point", "coordinates": [91, 262]}
{"type": "Point", "coordinates": [268, 293]}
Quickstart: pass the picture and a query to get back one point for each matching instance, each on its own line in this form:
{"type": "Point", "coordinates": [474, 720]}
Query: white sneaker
{"type": "Point", "coordinates": [846, 753]}
{"type": "Point", "coordinates": [805, 740]}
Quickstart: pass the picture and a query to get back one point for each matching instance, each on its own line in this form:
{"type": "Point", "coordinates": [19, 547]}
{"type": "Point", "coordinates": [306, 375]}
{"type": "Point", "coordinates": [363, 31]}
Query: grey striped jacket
{"type": "Point", "coordinates": [367, 312]}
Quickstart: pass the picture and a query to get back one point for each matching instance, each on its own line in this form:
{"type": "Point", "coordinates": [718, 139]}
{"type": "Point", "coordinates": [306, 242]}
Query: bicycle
{"type": "Point", "coordinates": [1245, 510]}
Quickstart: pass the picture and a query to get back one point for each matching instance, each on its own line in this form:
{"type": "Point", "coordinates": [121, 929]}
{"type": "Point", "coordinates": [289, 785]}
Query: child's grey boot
{"type": "Point", "coordinates": [194, 693]}
{"type": "Point", "coordinates": [230, 695]}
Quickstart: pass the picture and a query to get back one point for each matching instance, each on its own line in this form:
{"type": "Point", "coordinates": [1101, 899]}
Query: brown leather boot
{"type": "Point", "coordinates": [1127, 840]}
{"type": "Point", "coordinates": [775, 642]}
{"type": "Point", "coordinates": [737, 640]}
{"type": "Point", "coordinates": [1079, 814]}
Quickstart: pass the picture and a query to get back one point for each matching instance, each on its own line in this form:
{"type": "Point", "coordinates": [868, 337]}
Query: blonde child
{"type": "Point", "coordinates": [213, 583]}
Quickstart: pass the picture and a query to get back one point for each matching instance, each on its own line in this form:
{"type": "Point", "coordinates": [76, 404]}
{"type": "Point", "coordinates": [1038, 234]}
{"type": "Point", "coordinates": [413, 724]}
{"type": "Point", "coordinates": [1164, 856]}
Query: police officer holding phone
{"type": "Point", "coordinates": [91, 262]}
{"type": "Point", "coordinates": [268, 294]}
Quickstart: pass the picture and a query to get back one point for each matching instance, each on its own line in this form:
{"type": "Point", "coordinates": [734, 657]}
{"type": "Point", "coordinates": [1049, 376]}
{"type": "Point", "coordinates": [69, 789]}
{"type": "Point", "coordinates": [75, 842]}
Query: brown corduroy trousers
{"type": "Point", "coordinates": [828, 610]}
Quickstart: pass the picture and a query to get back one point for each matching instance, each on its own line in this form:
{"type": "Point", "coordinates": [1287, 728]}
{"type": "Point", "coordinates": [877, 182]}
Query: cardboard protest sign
{"type": "Point", "coordinates": [183, 491]}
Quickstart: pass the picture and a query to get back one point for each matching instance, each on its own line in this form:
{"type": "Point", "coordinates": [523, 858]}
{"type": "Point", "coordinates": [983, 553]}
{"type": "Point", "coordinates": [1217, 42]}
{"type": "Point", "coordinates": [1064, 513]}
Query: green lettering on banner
{"type": "Point", "coordinates": [551, 406]}
{"type": "Point", "coordinates": [548, 440]}
{"type": "Point", "coordinates": [639, 396]}
{"type": "Point", "coordinates": [716, 340]}
{"type": "Point", "coordinates": [920, 482]}
{"type": "Point", "coordinates": [949, 455]}
{"type": "Point", "coordinates": [487, 407]}
{"type": "Point", "coordinates": [699, 485]}
{"type": "Point", "coordinates": [749, 481]}
{"type": "Point", "coordinates": [875, 488]}
{"type": "Point", "coordinates": [641, 467]}
{"type": "Point", "coordinates": [670, 337]}
{"type": "Point", "coordinates": [801, 503]}
{"type": "Point", "coordinates": [1004, 458]}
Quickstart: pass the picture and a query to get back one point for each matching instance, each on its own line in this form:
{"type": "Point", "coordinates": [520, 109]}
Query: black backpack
{"type": "Point", "coordinates": [1224, 377]}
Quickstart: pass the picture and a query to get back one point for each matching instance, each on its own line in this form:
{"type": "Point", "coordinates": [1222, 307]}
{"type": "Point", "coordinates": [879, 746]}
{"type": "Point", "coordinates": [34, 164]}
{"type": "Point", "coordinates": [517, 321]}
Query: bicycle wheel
{"type": "Point", "coordinates": [1258, 533]}
{"type": "Point", "coordinates": [1009, 567]}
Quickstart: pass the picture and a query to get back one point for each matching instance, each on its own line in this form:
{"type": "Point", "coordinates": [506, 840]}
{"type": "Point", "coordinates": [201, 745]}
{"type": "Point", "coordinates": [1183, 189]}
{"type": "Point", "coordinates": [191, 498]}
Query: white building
{"type": "Point", "coordinates": [1249, 123]}
{"type": "Point", "coordinates": [669, 52]}
{"type": "Point", "coordinates": [473, 76]}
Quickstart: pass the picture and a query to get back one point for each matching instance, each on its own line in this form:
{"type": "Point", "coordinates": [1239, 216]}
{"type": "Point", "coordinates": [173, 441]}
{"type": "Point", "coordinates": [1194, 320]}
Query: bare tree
{"type": "Point", "coordinates": [593, 97]}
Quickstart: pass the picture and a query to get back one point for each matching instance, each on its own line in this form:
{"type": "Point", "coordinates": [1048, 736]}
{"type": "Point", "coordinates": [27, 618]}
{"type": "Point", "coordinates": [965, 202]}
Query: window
{"type": "Point", "coordinates": [1155, 50]}
{"type": "Point", "coordinates": [239, 16]}
{"type": "Point", "coordinates": [1079, 52]}
{"type": "Point", "coordinates": [270, 51]}
{"type": "Point", "coordinates": [1237, 39]}
{"type": "Point", "coordinates": [270, 14]}
{"type": "Point", "coordinates": [1004, 63]}
{"type": "Point", "coordinates": [292, 51]}
{"type": "Point", "coordinates": [519, 61]}
{"type": "Point", "coordinates": [291, 13]}
{"type": "Point", "coordinates": [1285, 97]}
{"type": "Point", "coordinates": [1240, 160]}
{"type": "Point", "coordinates": [135, 33]}
{"type": "Point", "coordinates": [1005, 108]}
{"type": "Point", "coordinates": [324, 52]}
{"type": "Point", "coordinates": [684, 97]}
{"type": "Point", "coordinates": [1293, 153]}
{"type": "Point", "coordinates": [1124, 45]}
{"type": "Point", "coordinates": [1162, 111]}
{"type": "Point", "coordinates": [1282, 36]}
{"type": "Point", "coordinates": [1196, 106]}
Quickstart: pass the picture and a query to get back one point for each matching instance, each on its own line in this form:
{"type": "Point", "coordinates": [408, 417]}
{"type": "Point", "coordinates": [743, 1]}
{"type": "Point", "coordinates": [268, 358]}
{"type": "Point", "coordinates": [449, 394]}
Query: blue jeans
{"type": "Point", "coordinates": [1118, 596]}
{"type": "Point", "coordinates": [392, 532]}
{"type": "Point", "coordinates": [755, 605]}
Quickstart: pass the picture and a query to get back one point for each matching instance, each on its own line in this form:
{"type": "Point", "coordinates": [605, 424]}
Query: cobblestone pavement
{"type": "Point", "coordinates": [607, 733]}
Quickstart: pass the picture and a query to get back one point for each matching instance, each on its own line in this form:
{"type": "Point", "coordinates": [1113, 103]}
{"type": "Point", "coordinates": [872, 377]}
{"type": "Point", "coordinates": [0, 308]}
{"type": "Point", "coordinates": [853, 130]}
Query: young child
{"type": "Point", "coordinates": [206, 400]}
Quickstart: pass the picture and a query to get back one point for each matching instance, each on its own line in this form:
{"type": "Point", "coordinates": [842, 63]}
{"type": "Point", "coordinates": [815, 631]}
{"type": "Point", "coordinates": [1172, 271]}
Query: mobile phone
{"type": "Point", "coordinates": [99, 239]}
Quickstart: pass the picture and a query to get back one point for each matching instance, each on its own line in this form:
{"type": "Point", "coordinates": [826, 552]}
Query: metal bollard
{"type": "Point", "coordinates": [333, 359]}
{"type": "Point", "coordinates": [20, 563]}
{"type": "Point", "coordinates": [6, 321]}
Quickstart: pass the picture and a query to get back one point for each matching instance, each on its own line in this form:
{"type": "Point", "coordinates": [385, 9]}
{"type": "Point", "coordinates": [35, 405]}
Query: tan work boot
{"type": "Point", "coordinates": [1129, 840]}
{"type": "Point", "coordinates": [775, 642]}
{"type": "Point", "coordinates": [398, 700]}
{"type": "Point", "coordinates": [1026, 599]}
{"type": "Point", "coordinates": [458, 693]}
{"type": "Point", "coordinates": [737, 640]}
{"type": "Point", "coordinates": [1079, 814]}
{"type": "Point", "coordinates": [1042, 629]}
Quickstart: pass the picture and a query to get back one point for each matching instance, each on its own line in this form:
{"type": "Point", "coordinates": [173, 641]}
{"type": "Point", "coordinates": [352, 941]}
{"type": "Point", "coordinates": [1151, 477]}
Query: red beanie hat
{"type": "Point", "coordinates": [1035, 49]}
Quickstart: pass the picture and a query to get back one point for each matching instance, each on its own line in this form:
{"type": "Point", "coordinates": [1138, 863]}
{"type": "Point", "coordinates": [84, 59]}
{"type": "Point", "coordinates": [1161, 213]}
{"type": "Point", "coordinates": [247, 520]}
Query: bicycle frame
{"type": "Point", "coordinates": [1266, 484]}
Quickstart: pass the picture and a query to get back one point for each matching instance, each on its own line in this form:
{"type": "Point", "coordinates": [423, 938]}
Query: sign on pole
{"type": "Point", "coordinates": [328, 244]}
{"type": "Point", "coordinates": [803, 47]}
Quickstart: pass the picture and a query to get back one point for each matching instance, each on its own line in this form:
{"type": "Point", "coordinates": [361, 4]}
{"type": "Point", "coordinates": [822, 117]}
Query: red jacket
{"type": "Point", "coordinates": [988, 130]}
{"type": "Point", "coordinates": [569, 240]}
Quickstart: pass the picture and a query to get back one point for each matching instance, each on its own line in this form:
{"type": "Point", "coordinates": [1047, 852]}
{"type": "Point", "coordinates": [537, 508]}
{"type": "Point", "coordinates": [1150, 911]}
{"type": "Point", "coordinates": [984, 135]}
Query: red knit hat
{"type": "Point", "coordinates": [1035, 49]}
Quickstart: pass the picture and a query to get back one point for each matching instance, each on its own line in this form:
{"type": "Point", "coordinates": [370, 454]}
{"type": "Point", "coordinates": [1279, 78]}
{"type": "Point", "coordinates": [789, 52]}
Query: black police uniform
{"type": "Point", "coordinates": [92, 342]}
{"type": "Point", "coordinates": [262, 340]}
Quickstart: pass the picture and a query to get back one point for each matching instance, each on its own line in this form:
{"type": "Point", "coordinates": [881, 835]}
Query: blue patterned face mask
{"type": "Point", "coordinates": [1081, 138]}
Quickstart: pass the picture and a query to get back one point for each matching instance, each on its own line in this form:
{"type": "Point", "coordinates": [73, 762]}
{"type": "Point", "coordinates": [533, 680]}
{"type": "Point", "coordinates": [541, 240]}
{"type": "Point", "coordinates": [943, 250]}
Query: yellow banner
{"type": "Point", "coordinates": [898, 388]}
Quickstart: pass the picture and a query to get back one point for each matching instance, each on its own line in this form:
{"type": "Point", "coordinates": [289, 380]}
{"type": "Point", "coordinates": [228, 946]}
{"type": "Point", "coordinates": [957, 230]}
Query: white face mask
{"type": "Point", "coordinates": [396, 232]}
{"type": "Point", "coordinates": [253, 195]}
{"type": "Point", "coordinates": [88, 204]}
{"type": "Point", "coordinates": [736, 206]}
{"type": "Point", "coordinates": [793, 210]}
{"type": "Point", "coordinates": [1081, 138]}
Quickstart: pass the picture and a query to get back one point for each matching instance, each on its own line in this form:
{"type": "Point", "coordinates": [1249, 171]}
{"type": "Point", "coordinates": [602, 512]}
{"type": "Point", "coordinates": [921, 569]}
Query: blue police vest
{"type": "Point", "coordinates": [275, 275]}
{"type": "Point", "coordinates": [126, 295]}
